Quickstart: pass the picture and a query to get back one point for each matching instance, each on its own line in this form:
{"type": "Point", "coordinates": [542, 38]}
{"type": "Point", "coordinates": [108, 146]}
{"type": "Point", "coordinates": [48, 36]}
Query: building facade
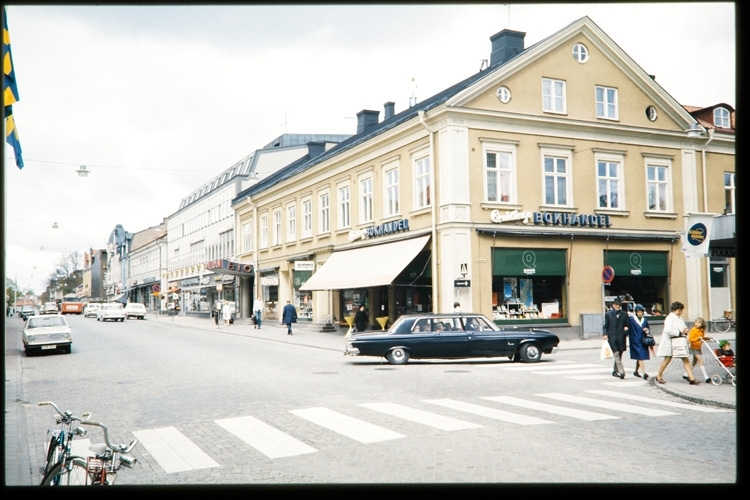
{"type": "Point", "coordinates": [534, 191]}
{"type": "Point", "coordinates": [147, 263]}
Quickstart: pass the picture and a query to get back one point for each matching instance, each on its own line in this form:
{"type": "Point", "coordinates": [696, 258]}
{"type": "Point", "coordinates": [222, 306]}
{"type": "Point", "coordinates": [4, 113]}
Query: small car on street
{"type": "Point", "coordinates": [89, 311]}
{"type": "Point", "coordinates": [47, 332]}
{"type": "Point", "coordinates": [49, 308]}
{"type": "Point", "coordinates": [27, 311]}
{"type": "Point", "coordinates": [111, 311]}
{"type": "Point", "coordinates": [451, 336]}
{"type": "Point", "coordinates": [135, 310]}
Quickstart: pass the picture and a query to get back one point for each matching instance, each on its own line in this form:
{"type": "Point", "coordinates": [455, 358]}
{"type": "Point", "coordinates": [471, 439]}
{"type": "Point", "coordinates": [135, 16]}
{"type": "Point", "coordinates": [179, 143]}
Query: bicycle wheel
{"type": "Point", "coordinates": [71, 474]}
{"type": "Point", "coordinates": [722, 325]}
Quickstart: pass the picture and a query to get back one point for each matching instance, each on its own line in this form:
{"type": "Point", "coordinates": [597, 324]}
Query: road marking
{"type": "Point", "coordinates": [631, 383]}
{"type": "Point", "coordinates": [80, 448]}
{"type": "Point", "coordinates": [573, 371]}
{"type": "Point", "coordinates": [606, 404]}
{"type": "Point", "coordinates": [485, 411]}
{"type": "Point", "coordinates": [558, 410]}
{"type": "Point", "coordinates": [266, 439]}
{"type": "Point", "coordinates": [421, 417]}
{"type": "Point", "coordinates": [348, 426]}
{"type": "Point", "coordinates": [687, 406]}
{"type": "Point", "coordinates": [173, 451]}
{"type": "Point", "coordinates": [545, 367]}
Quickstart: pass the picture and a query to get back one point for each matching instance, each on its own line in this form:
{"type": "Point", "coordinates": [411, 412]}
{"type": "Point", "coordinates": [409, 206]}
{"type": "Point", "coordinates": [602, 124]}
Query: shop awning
{"type": "Point", "coordinates": [374, 265]}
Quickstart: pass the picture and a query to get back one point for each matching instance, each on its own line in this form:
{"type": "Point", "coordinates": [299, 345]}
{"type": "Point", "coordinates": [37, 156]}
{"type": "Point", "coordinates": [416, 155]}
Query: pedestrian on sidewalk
{"type": "Point", "coordinates": [639, 328]}
{"type": "Point", "coordinates": [696, 334]}
{"type": "Point", "coordinates": [674, 327]}
{"type": "Point", "coordinates": [360, 319]}
{"type": "Point", "coordinates": [217, 312]}
{"type": "Point", "coordinates": [615, 332]}
{"type": "Point", "coordinates": [258, 308]}
{"type": "Point", "coordinates": [226, 313]}
{"type": "Point", "coordinates": [288, 316]}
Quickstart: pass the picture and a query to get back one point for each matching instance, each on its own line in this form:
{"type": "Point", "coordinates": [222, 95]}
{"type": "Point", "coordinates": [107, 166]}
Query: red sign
{"type": "Point", "coordinates": [608, 274]}
{"type": "Point", "coordinates": [155, 288]}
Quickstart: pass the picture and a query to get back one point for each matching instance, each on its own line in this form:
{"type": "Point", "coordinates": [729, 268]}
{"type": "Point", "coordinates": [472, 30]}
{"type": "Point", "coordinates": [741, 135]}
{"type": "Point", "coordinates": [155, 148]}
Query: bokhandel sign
{"type": "Point", "coordinates": [380, 230]}
{"type": "Point", "coordinates": [551, 218]}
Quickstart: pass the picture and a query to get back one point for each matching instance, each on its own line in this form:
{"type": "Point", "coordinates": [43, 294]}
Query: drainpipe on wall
{"type": "Point", "coordinates": [435, 301]}
{"type": "Point", "coordinates": [705, 211]}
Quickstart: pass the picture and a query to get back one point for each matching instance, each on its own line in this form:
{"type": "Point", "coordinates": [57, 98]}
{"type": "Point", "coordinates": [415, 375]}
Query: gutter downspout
{"type": "Point", "coordinates": [435, 289]}
{"type": "Point", "coordinates": [705, 211]}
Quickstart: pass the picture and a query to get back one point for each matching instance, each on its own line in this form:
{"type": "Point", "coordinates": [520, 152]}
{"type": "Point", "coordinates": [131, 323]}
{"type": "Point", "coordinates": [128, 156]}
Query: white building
{"type": "Point", "coordinates": [147, 264]}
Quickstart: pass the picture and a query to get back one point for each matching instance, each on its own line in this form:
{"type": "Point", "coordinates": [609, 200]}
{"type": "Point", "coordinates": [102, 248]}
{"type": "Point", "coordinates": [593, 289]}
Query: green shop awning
{"type": "Point", "coordinates": [630, 263]}
{"type": "Point", "coordinates": [528, 262]}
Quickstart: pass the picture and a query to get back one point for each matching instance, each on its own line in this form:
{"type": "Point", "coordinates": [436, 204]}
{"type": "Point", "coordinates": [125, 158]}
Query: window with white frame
{"type": "Point", "coordinates": [721, 118]}
{"type": "Point", "coordinates": [729, 193]}
{"type": "Point", "coordinates": [277, 227]}
{"type": "Point", "coordinates": [499, 173]}
{"type": "Point", "coordinates": [609, 182]}
{"type": "Point", "coordinates": [325, 213]}
{"type": "Point", "coordinates": [306, 218]}
{"type": "Point", "coordinates": [606, 103]}
{"type": "Point", "coordinates": [657, 186]}
{"type": "Point", "coordinates": [580, 53]}
{"type": "Point", "coordinates": [247, 236]}
{"type": "Point", "coordinates": [291, 222]}
{"type": "Point", "coordinates": [264, 231]}
{"type": "Point", "coordinates": [557, 178]}
{"type": "Point", "coordinates": [344, 207]}
{"type": "Point", "coordinates": [391, 194]}
{"type": "Point", "coordinates": [365, 200]}
{"type": "Point", "coordinates": [422, 182]}
{"type": "Point", "coordinates": [553, 95]}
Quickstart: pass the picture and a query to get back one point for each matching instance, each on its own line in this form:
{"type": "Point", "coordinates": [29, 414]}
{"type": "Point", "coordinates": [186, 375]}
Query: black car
{"type": "Point", "coordinates": [451, 336]}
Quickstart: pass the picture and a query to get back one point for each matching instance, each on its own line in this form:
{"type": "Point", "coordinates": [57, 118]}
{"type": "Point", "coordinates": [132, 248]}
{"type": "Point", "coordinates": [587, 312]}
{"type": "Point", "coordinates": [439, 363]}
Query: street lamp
{"type": "Point", "coordinates": [82, 171]}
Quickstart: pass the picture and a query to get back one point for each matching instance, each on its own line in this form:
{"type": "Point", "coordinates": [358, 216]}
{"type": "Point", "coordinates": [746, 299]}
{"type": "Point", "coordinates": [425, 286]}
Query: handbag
{"type": "Point", "coordinates": [679, 347]}
{"type": "Point", "coordinates": [606, 351]}
{"type": "Point", "coordinates": [648, 340]}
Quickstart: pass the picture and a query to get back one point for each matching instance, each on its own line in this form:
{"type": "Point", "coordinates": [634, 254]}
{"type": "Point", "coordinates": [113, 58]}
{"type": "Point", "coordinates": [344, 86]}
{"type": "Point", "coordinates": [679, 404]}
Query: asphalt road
{"type": "Point", "coordinates": [238, 406]}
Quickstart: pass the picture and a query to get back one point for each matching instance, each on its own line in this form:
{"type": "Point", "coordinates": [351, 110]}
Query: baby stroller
{"type": "Point", "coordinates": [722, 366]}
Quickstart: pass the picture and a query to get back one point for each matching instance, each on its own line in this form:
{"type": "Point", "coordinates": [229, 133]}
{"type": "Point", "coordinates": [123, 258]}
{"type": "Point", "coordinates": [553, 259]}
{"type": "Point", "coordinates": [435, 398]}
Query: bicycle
{"type": "Point", "coordinates": [64, 469]}
{"type": "Point", "coordinates": [60, 467]}
{"type": "Point", "coordinates": [725, 323]}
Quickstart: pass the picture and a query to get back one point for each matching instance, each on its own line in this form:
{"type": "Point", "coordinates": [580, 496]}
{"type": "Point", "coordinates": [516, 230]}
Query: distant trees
{"type": "Point", "coordinates": [68, 274]}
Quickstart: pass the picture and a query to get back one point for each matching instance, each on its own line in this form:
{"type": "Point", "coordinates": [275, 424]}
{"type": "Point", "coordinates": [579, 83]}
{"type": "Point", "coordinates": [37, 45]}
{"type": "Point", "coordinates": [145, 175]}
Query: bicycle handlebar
{"type": "Point", "coordinates": [67, 417]}
{"type": "Point", "coordinates": [118, 448]}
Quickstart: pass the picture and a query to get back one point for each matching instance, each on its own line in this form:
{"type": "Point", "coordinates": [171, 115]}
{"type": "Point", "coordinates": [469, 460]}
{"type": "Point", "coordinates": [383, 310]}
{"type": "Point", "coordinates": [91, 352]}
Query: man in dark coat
{"type": "Point", "coordinates": [615, 332]}
{"type": "Point", "coordinates": [288, 316]}
{"type": "Point", "coordinates": [360, 319]}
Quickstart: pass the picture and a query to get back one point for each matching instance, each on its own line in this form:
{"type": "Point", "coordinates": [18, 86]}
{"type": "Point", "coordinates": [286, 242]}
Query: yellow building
{"type": "Point", "coordinates": [557, 177]}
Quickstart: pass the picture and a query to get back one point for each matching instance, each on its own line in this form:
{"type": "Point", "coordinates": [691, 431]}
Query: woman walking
{"type": "Point", "coordinates": [639, 328]}
{"type": "Point", "coordinates": [674, 326]}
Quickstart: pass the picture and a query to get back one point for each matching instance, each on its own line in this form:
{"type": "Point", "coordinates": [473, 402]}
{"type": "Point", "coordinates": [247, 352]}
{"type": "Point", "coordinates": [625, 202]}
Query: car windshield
{"type": "Point", "coordinates": [136, 306]}
{"type": "Point", "coordinates": [44, 321]}
{"type": "Point", "coordinates": [112, 306]}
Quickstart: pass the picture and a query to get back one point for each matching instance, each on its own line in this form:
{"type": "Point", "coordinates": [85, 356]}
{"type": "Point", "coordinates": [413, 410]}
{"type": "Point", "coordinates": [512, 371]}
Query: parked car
{"type": "Point", "coordinates": [27, 311]}
{"type": "Point", "coordinates": [111, 311]}
{"type": "Point", "coordinates": [451, 336]}
{"type": "Point", "coordinates": [135, 310]}
{"type": "Point", "coordinates": [89, 311]}
{"type": "Point", "coordinates": [49, 308]}
{"type": "Point", "coordinates": [48, 332]}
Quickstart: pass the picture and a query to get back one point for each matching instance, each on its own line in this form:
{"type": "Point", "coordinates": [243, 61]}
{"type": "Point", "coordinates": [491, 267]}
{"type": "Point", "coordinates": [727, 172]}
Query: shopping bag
{"type": "Point", "coordinates": [680, 347]}
{"type": "Point", "coordinates": [606, 352]}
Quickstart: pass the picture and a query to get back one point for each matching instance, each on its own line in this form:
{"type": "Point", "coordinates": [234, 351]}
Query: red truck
{"type": "Point", "coordinates": [71, 304]}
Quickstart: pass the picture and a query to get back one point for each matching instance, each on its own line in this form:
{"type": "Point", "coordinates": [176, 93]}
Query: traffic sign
{"type": "Point", "coordinates": [461, 283]}
{"type": "Point", "coordinates": [155, 288]}
{"type": "Point", "coordinates": [608, 274]}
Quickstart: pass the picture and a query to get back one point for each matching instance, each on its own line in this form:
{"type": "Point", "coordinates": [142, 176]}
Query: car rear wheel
{"type": "Point", "coordinates": [530, 353]}
{"type": "Point", "coordinates": [397, 356]}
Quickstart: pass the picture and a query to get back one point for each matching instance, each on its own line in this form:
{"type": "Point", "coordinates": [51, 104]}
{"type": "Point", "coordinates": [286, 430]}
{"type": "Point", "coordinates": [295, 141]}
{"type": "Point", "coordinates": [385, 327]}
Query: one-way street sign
{"type": "Point", "coordinates": [461, 283]}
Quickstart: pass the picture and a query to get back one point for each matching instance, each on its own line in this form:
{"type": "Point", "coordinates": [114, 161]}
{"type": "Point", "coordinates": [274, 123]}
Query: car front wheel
{"type": "Point", "coordinates": [397, 356]}
{"type": "Point", "coordinates": [530, 353]}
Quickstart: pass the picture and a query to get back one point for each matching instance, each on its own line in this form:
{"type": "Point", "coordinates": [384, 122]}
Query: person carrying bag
{"type": "Point", "coordinates": [674, 343]}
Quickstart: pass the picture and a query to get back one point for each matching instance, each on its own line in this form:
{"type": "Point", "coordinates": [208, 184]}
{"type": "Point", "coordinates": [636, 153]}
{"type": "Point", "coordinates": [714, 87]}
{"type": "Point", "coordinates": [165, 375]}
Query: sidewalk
{"type": "Point", "coordinates": [306, 334]}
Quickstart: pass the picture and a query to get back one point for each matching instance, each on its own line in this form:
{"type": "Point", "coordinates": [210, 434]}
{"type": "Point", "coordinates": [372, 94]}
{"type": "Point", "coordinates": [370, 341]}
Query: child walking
{"type": "Point", "coordinates": [698, 332]}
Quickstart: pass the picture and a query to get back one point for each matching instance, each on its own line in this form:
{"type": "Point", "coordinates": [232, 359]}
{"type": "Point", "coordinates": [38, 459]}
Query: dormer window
{"type": "Point", "coordinates": [721, 118]}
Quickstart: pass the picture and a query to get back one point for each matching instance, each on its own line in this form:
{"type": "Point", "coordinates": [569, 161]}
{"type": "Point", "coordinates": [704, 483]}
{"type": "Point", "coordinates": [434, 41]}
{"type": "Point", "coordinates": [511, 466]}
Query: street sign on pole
{"type": "Point", "coordinates": [608, 274]}
{"type": "Point", "coordinates": [461, 283]}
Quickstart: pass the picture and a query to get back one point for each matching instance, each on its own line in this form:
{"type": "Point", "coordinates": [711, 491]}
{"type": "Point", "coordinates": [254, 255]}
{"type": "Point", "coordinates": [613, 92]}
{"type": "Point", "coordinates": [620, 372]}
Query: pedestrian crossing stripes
{"type": "Point", "coordinates": [80, 448]}
{"type": "Point", "coordinates": [175, 452]}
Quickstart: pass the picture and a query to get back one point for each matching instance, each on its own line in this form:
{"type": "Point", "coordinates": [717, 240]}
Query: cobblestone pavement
{"type": "Point", "coordinates": [17, 460]}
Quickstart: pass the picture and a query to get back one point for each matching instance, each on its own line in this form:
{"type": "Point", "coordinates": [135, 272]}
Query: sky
{"type": "Point", "coordinates": [157, 100]}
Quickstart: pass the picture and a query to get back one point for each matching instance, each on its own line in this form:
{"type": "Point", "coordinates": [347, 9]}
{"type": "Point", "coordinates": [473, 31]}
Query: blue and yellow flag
{"type": "Point", "coordinates": [10, 94]}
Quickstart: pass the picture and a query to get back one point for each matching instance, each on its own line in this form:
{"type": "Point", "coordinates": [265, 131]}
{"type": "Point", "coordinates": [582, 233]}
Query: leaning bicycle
{"type": "Point", "coordinates": [725, 323]}
{"type": "Point", "coordinates": [108, 459]}
{"type": "Point", "coordinates": [61, 468]}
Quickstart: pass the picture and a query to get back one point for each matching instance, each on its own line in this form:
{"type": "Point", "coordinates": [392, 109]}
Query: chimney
{"type": "Point", "coordinates": [366, 119]}
{"type": "Point", "coordinates": [315, 148]}
{"type": "Point", "coordinates": [505, 46]}
{"type": "Point", "coordinates": [390, 110]}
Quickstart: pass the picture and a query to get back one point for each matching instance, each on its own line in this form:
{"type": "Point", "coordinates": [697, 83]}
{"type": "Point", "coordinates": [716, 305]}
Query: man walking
{"type": "Point", "coordinates": [288, 316]}
{"type": "Point", "coordinates": [258, 312]}
{"type": "Point", "coordinates": [615, 332]}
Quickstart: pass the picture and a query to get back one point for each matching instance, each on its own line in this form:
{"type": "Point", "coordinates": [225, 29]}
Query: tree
{"type": "Point", "coordinates": [12, 291]}
{"type": "Point", "coordinates": [68, 273]}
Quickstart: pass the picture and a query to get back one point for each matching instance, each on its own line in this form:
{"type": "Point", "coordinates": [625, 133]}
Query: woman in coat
{"type": "Point", "coordinates": [360, 319]}
{"type": "Point", "coordinates": [638, 352]}
{"type": "Point", "coordinates": [674, 326]}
